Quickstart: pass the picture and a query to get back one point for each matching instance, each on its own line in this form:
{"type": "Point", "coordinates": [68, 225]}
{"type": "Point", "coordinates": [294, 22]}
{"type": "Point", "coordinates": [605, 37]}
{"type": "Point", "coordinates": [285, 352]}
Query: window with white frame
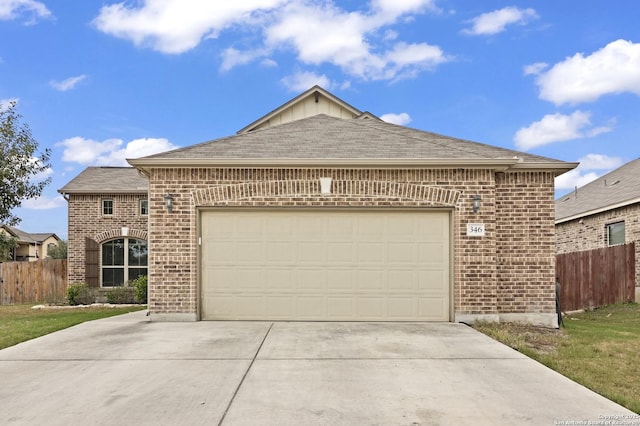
{"type": "Point", "coordinates": [144, 207]}
{"type": "Point", "coordinates": [123, 260]}
{"type": "Point", "coordinates": [615, 233]}
{"type": "Point", "coordinates": [107, 207]}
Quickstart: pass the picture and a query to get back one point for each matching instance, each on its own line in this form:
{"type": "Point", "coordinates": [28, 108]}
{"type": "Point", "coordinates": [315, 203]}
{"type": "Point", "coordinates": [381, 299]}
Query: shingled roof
{"type": "Point", "coordinates": [107, 180]}
{"type": "Point", "coordinates": [27, 237]}
{"type": "Point", "coordinates": [324, 140]}
{"type": "Point", "coordinates": [618, 188]}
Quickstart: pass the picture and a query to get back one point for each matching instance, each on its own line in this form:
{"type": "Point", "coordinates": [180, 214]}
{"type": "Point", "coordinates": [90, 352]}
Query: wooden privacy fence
{"type": "Point", "coordinates": [32, 282]}
{"type": "Point", "coordinates": [599, 277]}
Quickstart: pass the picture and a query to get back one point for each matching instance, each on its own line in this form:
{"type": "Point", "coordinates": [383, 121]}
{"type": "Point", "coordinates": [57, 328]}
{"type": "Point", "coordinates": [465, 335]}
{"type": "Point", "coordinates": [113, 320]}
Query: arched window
{"type": "Point", "coordinates": [123, 260]}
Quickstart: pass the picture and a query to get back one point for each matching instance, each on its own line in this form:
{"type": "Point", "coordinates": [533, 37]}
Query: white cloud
{"type": "Point", "coordinates": [232, 57]}
{"type": "Point", "coordinates": [613, 69]}
{"type": "Point", "coordinates": [13, 9]}
{"type": "Point", "coordinates": [68, 83]}
{"type": "Point", "coordinates": [557, 128]}
{"type": "Point", "coordinates": [302, 81]}
{"type": "Point", "coordinates": [44, 203]}
{"type": "Point", "coordinates": [176, 26]}
{"type": "Point", "coordinates": [600, 162]}
{"type": "Point", "coordinates": [110, 152]}
{"type": "Point", "coordinates": [396, 8]}
{"type": "Point", "coordinates": [497, 21]}
{"type": "Point", "coordinates": [345, 41]}
{"type": "Point", "coordinates": [535, 69]}
{"type": "Point", "coordinates": [573, 178]}
{"type": "Point", "coordinates": [584, 173]}
{"type": "Point", "coordinates": [360, 42]}
{"type": "Point", "coordinates": [401, 119]}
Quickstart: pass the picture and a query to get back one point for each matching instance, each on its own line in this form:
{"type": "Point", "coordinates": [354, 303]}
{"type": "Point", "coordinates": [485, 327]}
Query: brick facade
{"type": "Point", "coordinates": [590, 232]}
{"type": "Point", "coordinates": [508, 273]}
{"type": "Point", "coordinates": [87, 221]}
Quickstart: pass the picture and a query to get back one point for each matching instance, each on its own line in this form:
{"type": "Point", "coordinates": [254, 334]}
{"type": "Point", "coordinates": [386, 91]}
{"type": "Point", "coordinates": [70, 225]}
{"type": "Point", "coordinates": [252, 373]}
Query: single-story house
{"type": "Point", "coordinates": [320, 211]}
{"type": "Point", "coordinates": [31, 246]}
{"type": "Point", "coordinates": [602, 213]}
{"type": "Point", "coordinates": [108, 215]}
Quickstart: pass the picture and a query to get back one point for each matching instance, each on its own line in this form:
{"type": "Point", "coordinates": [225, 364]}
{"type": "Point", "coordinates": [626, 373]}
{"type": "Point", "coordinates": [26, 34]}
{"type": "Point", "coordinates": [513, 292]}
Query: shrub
{"type": "Point", "coordinates": [120, 295]}
{"type": "Point", "coordinates": [140, 289]}
{"type": "Point", "coordinates": [80, 294]}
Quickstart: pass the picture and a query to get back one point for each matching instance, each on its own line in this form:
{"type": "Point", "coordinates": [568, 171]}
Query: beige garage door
{"type": "Point", "coordinates": [347, 265]}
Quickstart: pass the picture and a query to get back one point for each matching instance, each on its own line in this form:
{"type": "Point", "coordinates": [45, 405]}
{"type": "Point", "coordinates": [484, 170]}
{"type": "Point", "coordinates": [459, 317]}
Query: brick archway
{"type": "Point", "coordinates": [310, 189]}
{"type": "Point", "coordinates": [116, 233]}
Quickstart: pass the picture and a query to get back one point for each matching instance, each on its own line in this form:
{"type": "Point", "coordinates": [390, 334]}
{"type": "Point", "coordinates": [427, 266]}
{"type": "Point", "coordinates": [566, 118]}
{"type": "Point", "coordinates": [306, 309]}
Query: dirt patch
{"type": "Point", "coordinates": [542, 340]}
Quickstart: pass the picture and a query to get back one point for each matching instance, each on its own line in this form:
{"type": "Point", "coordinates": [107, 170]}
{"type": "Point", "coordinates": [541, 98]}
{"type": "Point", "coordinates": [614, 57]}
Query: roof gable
{"type": "Point", "coordinates": [312, 102]}
{"type": "Point", "coordinates": [617, 188]}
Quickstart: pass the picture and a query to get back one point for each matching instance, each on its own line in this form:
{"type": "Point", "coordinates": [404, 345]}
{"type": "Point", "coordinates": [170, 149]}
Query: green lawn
{"type": "Point", "coordinates": [19, 322]}
{"type": "Point", "coordinates": [599, 349]}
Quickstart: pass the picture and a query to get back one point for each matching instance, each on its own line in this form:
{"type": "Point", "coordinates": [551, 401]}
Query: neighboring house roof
{"type": "Point", "coordinates": [617, 188]}
{"type": "Point", "coordinates": [312, 102]}
{"type": "Point", "coordinates": [28, 238]}
{"type": "Point", "coordinates": [322, 140]}
{"type": "Point", "coordinates": [107, 180]}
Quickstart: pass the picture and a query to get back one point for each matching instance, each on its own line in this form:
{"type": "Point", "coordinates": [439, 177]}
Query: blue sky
{"type": "Point", "coordinates": [101, 81]}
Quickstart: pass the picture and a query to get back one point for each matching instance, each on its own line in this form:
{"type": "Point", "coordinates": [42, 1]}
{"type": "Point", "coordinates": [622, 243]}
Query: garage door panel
{"type": "Point", "coordinates": [371, 307]}
{"type": "Point", "coordinates": [371, 281]}
{"type": "Point", "coordinates": [248, 252]}
{"type": "Point", "coordinates": [340, 252]}
{"type": "Point", "coordinates": [325, 265]}
{"type": "Point", "coordinates": [403, 281]}
{"type": "Point", "coordinates": [370, 252]}
{"type": "Point", "coordinates": [341, 308]}
{"type": "Point", "coordinates": [311, 252]}
{"type": "Point", "coordinates": [433, 253]}
{"type": "Point", "coordinates": [249, 279]}
{"type": "Point", "coordinates": [340, 280]}
{"type": "Point", "coordinates": [281, 279]}
{"type": "Point", "coordinates": [311, 280]}
{"type": "Point", "coordinates": [402, 308]}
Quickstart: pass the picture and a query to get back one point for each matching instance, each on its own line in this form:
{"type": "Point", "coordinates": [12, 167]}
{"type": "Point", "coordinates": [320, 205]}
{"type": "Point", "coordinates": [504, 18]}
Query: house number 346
{"type": "Point", "coordinates": [475, 229]}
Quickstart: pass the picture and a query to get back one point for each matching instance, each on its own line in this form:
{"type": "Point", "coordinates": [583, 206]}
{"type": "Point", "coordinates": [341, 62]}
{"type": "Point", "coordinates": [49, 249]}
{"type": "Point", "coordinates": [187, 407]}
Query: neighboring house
{"type": "Point", "coordinates": [319, 211]}
{"type": "Point", "coordinates": [31, 247]}
{"type": "Point", "coordinates": [108, 215]}
{"type": "Point", "coordinates": [602, 213]}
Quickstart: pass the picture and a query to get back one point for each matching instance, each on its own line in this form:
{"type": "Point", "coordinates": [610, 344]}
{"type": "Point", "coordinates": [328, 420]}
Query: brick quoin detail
{"type": "Point", "coordinates": [438, 197]}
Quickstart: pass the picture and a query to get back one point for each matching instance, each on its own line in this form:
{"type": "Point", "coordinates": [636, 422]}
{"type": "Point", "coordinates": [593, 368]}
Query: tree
{"type": "Point", "coordinates": [58, 251]}
{"type": "Point", "coordinates": [7, 244]}
{"type": "Point", "coordinates": [20, 164]}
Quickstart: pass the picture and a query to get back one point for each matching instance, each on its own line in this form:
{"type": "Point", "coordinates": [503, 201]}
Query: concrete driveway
{"type": "Point", "coordinates": [126, 370]}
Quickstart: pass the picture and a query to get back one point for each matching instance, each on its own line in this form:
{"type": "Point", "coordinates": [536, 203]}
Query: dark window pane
{"type": "Point", "coordinates": [113, 253]}
{"type": "Point", "coordinates": [136, 272]}
{"type": "Point", "coordinates": [112, 277]}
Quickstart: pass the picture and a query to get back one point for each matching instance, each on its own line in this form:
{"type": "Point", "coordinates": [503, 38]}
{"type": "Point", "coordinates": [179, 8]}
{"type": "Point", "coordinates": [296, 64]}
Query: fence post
{"type": "Point", "coordinates": [558, 308]}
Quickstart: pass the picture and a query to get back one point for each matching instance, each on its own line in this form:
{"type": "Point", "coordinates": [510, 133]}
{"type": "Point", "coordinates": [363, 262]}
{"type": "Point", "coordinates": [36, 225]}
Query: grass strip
{"type": "Point", "coordinates": [598, 349]}
{"type": "Point", "coordinates": [19, 323]}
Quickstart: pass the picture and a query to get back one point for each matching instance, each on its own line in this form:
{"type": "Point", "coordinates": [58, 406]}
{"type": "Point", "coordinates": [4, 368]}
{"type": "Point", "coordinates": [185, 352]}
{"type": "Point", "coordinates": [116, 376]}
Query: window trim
{"type": "Point", "coordinates": [126, 267]}
{"type": "Point", "coordinates": [608, 230]}
{"type": "Point", "coordinates": [113, 206]}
